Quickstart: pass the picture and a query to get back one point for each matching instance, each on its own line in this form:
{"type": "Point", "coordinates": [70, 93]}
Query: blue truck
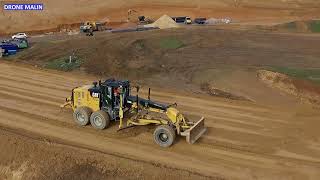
{"type": "Point", "coordinates": [9, 48]}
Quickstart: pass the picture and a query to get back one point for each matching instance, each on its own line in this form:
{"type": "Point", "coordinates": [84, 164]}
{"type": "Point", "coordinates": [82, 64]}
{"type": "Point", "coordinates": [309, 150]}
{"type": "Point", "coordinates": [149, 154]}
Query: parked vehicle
{"type": "Point", "coordinates": [21, 43]}
{"type": "Point", "coordinates": [181, 19]}
{"type": "Point", "coordinates": [200, 20]}
{"type": "Point", "coordinates": [20, 36]}
{"type": "Point", "coordinates": [9, 48]}
{"type": "Point", "coordinates": [188, 20]}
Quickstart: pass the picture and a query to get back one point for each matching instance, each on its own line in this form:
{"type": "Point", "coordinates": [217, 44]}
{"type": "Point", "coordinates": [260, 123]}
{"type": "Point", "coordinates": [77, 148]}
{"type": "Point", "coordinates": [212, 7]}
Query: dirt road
{"type": "Point", "coordinates": [244, 140]}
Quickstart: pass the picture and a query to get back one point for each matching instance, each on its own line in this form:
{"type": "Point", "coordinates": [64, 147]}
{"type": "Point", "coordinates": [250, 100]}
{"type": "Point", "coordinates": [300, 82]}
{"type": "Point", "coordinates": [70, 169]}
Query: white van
{"type": "Point", "coordinates": [188, 20]}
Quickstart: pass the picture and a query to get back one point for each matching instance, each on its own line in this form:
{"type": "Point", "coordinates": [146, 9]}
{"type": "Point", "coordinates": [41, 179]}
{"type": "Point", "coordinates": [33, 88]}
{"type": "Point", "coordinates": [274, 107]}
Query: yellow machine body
{"type": "Point", "coordinates": [83, 98]}
{"type": "Point", "coordinates": [144, 114]}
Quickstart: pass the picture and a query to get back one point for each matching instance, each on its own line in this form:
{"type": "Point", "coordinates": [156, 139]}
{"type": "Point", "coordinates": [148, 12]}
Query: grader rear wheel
{"type": "Point", "coordinates": [164, 135]}
{"type": "Point", "coordinates": [100, 119]}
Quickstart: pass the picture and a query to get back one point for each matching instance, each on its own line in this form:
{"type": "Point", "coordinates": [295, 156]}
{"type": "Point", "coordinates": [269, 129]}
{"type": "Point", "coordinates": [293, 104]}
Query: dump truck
{"type": "Point", "coordinates": [102, 102]}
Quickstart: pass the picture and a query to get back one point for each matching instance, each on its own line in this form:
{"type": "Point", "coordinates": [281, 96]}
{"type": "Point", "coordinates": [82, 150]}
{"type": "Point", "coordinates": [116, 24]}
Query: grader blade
{"type": "Point", "coordinates": [195, 132]}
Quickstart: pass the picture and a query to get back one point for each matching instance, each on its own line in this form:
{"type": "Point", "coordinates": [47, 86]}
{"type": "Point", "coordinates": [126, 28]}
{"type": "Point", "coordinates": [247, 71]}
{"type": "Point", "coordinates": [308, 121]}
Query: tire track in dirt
{"type": "Point", "coordinates": [28, 78]}
{"type": "Point", "coordinates": [33, 116]}
{"type": "Point", "coordinates": [50, 121]}
{"type": "Point", "coordinates": [23, 93]}
{"type": "Point", "coordinates": [36, 84]}
{"type": "Point", "coordinates": [38, 97]}
{"type": "Point", "coordinates": [11, 68]}
{"type": "Point", "coordinates": [32, 88]}
{"type": "Point", "coordinates": [214, 154]}
{"type": "Point", "coordinates": [110, 146]}
{"type": "Point", "coordinates": [45, 76]}
{"type": "Point", "coordinates": [37, 91]}
{"type": "Point", "coordinates": [28, 98]}
{"type": "Point", "coordinates": [54, 141]}
{"type": "Point", "coordinates": [48, 100]}
{"type": "Point", "coordinates": [106, 144]}
{"type": "Point", "coordinates": [231, 128]}
{"type": "Point", "coordinates": [19, 104]}
{"type": "Point", "coordinates": [48, 97]}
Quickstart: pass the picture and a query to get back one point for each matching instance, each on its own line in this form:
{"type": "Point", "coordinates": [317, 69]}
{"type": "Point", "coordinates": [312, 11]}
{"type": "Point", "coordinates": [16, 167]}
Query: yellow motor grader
{"type": "Point", "coordinates": [111, 100]}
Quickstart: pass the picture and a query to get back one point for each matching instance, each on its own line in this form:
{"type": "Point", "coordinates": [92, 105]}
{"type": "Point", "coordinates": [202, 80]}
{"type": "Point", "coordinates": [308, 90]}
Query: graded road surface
{"type": "Point", "coordinates": [244, 140]}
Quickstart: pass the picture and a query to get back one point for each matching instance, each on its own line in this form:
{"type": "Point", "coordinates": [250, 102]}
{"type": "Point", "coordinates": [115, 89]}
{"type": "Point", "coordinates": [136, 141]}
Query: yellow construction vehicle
{"type": "Point", "coordinates": [103, 102]}
{"type": "Point", "coordinates": [92, 26]}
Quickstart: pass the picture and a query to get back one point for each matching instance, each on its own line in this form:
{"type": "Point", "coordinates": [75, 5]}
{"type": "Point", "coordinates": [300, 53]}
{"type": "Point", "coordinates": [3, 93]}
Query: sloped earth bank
{"type": "Point", "coordinates": [180, 58]}
{"type": "Point", "coordinates": [244, 140]}
{"type": "Point", "coordinates": [304, 90]}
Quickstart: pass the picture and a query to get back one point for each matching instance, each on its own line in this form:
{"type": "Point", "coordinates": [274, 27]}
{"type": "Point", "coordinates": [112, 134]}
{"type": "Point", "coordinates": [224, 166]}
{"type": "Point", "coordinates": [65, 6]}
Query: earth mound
{"type": "Point", "coordinates": [306, 91]}
{"type": "Point", "coordinates": [164, 22]}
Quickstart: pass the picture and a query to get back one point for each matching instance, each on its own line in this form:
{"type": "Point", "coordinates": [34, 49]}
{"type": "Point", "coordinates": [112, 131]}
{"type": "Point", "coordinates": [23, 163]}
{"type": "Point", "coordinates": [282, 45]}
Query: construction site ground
{"type": "Point", "coordinates": [271, 135]}
{"type": "Point", "coordinates": [244, 140]}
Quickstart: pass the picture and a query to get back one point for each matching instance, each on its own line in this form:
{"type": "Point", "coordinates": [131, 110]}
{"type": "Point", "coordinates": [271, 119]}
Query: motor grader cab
{"type": "Point", "coordinates": [112, 100]}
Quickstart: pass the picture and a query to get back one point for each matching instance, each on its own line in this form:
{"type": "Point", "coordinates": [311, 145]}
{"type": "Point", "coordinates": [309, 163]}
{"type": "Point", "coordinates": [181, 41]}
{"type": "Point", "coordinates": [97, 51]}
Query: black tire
{"type": "Point", "coordinates": [82, 115]}
{"type": "Point", "coordinates": [164, 135]}
{"type": "Point", "coordinates": [100, 119]}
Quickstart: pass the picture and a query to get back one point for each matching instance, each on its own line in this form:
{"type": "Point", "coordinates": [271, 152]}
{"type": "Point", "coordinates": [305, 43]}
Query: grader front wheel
{"type": "Point", "coordinates": [81, 115]}
{"type": "Point", "coordinates": [164, 135]}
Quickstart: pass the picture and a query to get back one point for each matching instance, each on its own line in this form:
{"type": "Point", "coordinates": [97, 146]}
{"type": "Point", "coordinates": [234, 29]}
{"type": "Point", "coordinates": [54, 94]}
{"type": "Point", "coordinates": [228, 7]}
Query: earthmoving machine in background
{"type": "Point", "coordinates": [134, 16]}
{"type": "Point", "coordinates": [144, 20]}
{"type": "Point", "coordinates": [92, 26]}
{"type": "Point", "coordinates": [111, 100]}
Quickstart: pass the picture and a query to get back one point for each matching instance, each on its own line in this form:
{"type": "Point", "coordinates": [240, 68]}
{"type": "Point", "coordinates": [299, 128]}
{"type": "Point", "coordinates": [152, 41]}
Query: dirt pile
{"type": "Point", "coordinates": [164, 22]}
{"type": "Point", "coordinates": [304, 90]}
